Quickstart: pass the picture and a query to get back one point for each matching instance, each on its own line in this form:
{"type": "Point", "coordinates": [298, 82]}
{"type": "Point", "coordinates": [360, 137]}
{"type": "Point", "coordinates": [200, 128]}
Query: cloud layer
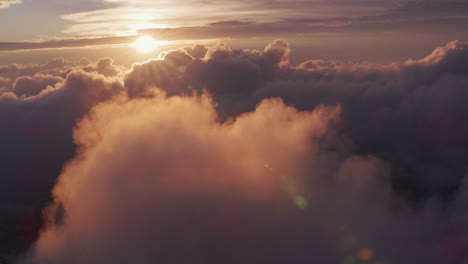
{"type": "Point", "coordinates": [8, 3]}
{"type": "Point", "coordinates": [39, 106]}
{"type": "Point", "coordinates": [411, 113]}
{"type": "Point", "coordinates": [210, 154]}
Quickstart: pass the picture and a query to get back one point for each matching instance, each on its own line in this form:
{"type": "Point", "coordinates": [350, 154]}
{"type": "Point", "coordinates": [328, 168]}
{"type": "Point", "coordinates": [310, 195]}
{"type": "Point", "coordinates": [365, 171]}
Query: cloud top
{"type": "Point", "coordinates": [214, 154]}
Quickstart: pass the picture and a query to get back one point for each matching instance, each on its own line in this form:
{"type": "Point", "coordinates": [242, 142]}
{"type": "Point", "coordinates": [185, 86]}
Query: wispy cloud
{"type": "Point", "coordinates": [129, 16]}
{"type": "Point", "coordinates": [8, 3]}
{"type": "Point", "coordinates": [237, 19]}
{"type": "Point", "coordinates": [65, 43]}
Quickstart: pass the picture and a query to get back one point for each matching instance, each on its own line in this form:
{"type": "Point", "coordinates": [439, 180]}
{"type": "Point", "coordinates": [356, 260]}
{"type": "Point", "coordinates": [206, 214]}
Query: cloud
{"type": "Point", "coordinates": [188, 170]}
{"type": "Point", "coordinates": [3, 83]}
{"type": "Point", "coordinates": [8, 3]}
{"type": "Point", "coordinates": [106, 67]}
{"type": "Point", "coordinates": [221, 69]}
{"type": "Point", "coordinates": [30, 86]}
{"type": "Point", "coordinates": [378, 102]}
{"type": "Point", "coordinates": [245, 19]}
{"type": "Point", "coordinates": [198, 51]}
{"type": "Point", "coordinates": [56, 67]}
{"type": "Point", "coordinates": [130, 16]}
{"type": "Point", "coordinates": [38, 114]}
{"type": "Point", "coordinates": [212, 154]}
{"type": "Point", "coordinates": [163, 179]}
{"type": "Point", "coordinates": [434, 6]}
{"type": "Point", "coordinates": [66, 43]}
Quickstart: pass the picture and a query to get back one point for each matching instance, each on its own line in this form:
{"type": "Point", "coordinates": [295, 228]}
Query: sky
{"type": "Point", "coordinates": [381, 31]}
{"type": "Point", "coordinates": [233, 131]}
{"type": "Point", "coordinates": [51, 20]}
{"type": "Point", "coordinates": [108, 17]}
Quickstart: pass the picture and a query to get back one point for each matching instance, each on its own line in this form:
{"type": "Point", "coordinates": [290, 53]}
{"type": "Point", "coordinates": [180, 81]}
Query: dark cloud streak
{"type": "Point", "coordinates": [65, 43]}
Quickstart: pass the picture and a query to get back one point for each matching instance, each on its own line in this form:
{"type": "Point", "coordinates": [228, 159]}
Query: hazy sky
{"type": "Point", "coordinates": [32, 20]}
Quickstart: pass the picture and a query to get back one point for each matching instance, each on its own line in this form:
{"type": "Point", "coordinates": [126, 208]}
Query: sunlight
{"type": "Point", "coordinates": [146, 44]}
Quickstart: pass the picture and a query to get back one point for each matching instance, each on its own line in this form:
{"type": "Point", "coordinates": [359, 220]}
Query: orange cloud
{"type": "Point", "coordinates": [219, 169]}
{"type": "Point", "coordinates": [147, 169]}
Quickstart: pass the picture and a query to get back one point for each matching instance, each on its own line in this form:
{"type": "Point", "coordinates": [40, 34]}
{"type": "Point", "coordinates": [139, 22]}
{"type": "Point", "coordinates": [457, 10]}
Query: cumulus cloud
{"type": "Point", "coordinates": [218, 68]}
{"type": "Point", "coordinates": [38, 114]}
{"type": "Point", "coordinates": [162, 179]}
{"type": "Point", "coordinates": [3, 83]}
{"type": "Point", "coordinates": [401, 111]}
{"type": "Point", "coordinates": [105, 67]}
{"type": "Point", "coordinates": [190, 158]}
{"type": "Point", "coordinates": [57, 67]}
{"type": "Point", "coordinates": [198, 51]}
{"type": "Point", "coordinates": [191, 181]}
{"type": "Point", "coordinates": [29, 86]}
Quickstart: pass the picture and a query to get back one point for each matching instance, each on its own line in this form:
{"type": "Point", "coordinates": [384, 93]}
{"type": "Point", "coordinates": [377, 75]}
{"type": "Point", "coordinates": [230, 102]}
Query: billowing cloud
{"type": "Point", "coordinates": [105, 67]}
{"type": "Point", "coordinates": [378, 101]}
{"type": "Point", "coordinates": [179, 172]}
{"type": "Point", "coordinates": [3, 83]}
{"type": "Point", "coordinates": [8, 3]}
{"type": "Point", "coordinates": [30, 86]}
{"type": "Point", "coordinates": [214, 154]}
{"type": "Point", "coordinates": [162, 179]}
{"type": "Point", "coordinates": [55, 67]}
{"type": "Point", "coordinates": [38, 114]}
{"type": "Point", "coordinates": [222, 70]}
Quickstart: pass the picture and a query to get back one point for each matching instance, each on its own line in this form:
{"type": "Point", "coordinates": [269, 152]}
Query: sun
{"type": "Point", "coordinates": [146, 44]}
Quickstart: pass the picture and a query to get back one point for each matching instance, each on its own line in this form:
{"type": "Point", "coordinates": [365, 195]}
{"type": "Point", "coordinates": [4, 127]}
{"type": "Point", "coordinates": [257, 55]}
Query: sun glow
{"type": "Point", "coordinates": [146, 44]}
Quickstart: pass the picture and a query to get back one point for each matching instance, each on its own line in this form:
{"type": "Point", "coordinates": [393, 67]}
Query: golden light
{"type": "Point", "coordinates": [146, 44]}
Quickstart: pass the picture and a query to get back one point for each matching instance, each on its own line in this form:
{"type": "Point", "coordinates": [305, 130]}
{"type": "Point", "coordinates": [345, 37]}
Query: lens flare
{"type": "Point", "coordinates": [365, 254]}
